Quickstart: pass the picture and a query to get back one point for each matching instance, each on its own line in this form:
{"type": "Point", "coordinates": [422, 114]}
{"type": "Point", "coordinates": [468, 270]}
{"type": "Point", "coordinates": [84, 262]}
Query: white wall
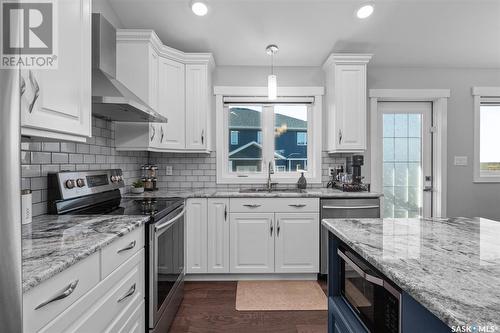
{"type": "Point", "coordinates": [464, 197]}
{"type": "Point", "coordinates": [104, 7]}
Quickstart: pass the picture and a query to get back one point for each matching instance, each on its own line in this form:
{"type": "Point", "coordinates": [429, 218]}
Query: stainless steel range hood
{"type": "Point", "coordinates": [111, 99]}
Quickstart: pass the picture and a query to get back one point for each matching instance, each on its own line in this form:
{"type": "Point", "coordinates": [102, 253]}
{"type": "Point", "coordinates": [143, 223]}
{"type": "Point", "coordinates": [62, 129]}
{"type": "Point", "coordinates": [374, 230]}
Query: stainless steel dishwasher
{"type": "Point", "coordinates": [344, 208]}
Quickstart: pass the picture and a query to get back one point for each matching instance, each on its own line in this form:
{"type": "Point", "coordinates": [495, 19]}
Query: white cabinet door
{"type": "Point", "coordinates": [297, 243]}
{"type": "Point", "coordinates": [351, 113]}
{"type": "Point", "coordinates": [171, 103]}
{"type": "Point", "coordinates": [252, 243]}
{"type": "Point", "coordinates": [218, 235]}
{"type": "Point", "coordinates": [198, 105]}
{"type": "Point", "coordinates": [196, 236]}
{"type": "Point", "coordinates": [57, 103]}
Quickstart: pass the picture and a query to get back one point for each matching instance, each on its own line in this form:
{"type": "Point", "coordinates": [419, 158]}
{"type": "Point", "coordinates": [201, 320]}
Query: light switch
{"type": "Point", "coordinates": [460, 160]}
{"type": "Point", "coordinates": [169, 170]}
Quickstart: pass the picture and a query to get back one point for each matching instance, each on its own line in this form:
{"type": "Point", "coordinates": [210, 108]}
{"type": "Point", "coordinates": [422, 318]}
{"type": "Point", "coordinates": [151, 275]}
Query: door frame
{"type": "Point", "coordinates": [439, 99]}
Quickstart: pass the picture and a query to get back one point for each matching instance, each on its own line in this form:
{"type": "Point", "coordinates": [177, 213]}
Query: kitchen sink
{"type": "Point", "coordinates": [274, 190]}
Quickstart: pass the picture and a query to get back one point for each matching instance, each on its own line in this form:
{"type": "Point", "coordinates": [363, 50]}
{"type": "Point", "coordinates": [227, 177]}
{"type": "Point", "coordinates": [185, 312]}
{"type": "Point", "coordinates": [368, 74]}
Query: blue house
{"type": "Point", "coordinates": [245, 141]}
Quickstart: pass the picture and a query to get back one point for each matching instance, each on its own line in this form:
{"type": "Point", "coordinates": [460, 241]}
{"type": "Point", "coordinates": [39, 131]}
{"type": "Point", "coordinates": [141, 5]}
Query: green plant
{"type": "Point", "coordinates": [138, 184]}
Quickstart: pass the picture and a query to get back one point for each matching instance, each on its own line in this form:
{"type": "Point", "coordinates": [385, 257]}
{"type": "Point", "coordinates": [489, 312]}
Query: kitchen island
{"type": "Point", "coordinates": [447, 270]}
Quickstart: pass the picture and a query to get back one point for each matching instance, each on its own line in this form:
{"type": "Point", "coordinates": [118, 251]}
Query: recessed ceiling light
{"type": "Point", "coordinates": [365, 10]}
{"type": "Point", "coordinates": [199, 8]}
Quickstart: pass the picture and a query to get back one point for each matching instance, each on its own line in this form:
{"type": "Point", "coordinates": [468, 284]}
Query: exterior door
{"type": "Point", "coordinates": [405, 138]}
{"type": "Point", "coordinates": [297, 246]}
{"type": "Point", "coordinates": [218, 235]}
{"type": "Point", "coordinates": [252, 243]}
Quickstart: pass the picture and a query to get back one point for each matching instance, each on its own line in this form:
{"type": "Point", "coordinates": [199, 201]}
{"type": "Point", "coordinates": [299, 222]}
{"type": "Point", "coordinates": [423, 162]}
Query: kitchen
{"type": "Point", "coordinates": [165, 173]}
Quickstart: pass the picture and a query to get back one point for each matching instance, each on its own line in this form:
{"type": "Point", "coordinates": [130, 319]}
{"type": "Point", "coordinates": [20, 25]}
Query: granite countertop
{"type": "Point", "coordinates": [451, 266]}
{"type": "Point", "coordinates": [212, 193]}
{"type": "Point", "coordinates": [52, 243]}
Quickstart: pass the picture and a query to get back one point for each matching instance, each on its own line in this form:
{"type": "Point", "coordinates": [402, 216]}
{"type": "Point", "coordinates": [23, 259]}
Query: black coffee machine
{"type": "Point", "coordinates": [357, 162]}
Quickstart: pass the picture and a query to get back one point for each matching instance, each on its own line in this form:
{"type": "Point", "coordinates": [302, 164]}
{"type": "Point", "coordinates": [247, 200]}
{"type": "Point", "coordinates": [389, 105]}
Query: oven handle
{"type": "Point", "coordinates": [368, 277]}
{"type": "Point", "coordinates": [351, 207]}
{"type": "Point", "coordinates": [169, 222]}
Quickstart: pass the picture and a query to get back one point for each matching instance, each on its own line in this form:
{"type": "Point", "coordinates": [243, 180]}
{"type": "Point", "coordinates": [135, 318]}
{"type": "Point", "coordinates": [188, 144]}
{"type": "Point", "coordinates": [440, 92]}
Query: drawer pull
{"type": "Point", "coordinates": [297, 205]}
{"type": "Point", "coordinates": [129, 293]}
{"type": "Point", "coordinates": [252, 206]}
{"type": "Point", "coordinates": [68, 291]}
{"type": "Point", "coordinates": [128, 247]}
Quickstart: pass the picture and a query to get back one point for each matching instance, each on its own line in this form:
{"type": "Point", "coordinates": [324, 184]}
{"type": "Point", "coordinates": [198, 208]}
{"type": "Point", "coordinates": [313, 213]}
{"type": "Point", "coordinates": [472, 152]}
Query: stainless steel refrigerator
{"type": "Point", "coordinates": [10, 203]}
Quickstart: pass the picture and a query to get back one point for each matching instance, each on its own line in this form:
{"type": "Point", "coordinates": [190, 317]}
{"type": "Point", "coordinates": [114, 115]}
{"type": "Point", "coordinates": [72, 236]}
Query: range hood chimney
{"type": "Point", "coordinates": [111, 100]}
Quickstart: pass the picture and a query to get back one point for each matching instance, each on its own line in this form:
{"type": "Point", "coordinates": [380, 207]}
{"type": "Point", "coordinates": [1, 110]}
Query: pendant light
{"type": "Point", "coordinates": [272, 82]}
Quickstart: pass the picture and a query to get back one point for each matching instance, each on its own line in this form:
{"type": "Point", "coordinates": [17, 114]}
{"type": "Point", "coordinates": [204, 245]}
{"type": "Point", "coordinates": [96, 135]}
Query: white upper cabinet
{"type": "Point", "coordinates": [56, 103]}
{"type": "Point", "coordinates": [346, 102]}
{"type": "Point", "coordinates": [175, 84]}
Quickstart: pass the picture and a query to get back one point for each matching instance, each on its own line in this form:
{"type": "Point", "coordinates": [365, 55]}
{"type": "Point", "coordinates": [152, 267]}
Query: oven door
{"type": "Point", "coordinates": [166, 271]}
{"type": "Point", "coordinates": [373, 299]}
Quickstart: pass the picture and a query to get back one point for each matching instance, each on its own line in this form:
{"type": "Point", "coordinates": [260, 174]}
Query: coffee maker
{"type": "Point", "coordinates": [357, 162]}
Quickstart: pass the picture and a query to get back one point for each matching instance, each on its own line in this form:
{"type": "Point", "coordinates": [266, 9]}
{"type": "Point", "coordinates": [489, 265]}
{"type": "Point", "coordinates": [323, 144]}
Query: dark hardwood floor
{"type": "Point", "coordinates": [210, 307]}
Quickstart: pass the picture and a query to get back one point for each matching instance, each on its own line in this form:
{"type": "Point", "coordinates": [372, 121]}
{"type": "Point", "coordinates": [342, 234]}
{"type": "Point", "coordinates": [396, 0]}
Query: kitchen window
{"type": "Point", "coordinates": [487, 135]}
{"type": "Point", "coordinates": [285, 133]}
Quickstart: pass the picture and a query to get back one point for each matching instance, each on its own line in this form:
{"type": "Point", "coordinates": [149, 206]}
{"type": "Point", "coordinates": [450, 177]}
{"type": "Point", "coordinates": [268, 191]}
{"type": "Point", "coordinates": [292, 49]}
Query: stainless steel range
{"type": "Point", "coordinates": [98, 192]}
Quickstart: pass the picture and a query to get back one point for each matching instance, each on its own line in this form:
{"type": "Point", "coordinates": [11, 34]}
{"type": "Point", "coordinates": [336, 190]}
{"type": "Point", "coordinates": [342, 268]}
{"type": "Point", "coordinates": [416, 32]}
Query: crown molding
{"type": "Point", "coordinates": [348, 58]}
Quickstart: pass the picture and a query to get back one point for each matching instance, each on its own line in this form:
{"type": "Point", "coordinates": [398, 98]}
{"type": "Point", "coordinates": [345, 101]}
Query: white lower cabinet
{"type": "Point", "coordinates": [252, 243]}
{"type": "Point", "coordinates": [218, 235]}
{"type": "Point", "coordinates": [297, 243]}
{"type": "Point", "coordinates": [196, 236]}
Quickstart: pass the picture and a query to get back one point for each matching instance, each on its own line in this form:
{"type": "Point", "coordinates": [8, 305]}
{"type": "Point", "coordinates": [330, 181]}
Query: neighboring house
{"type": "Point", "coordinates": [245, 138]}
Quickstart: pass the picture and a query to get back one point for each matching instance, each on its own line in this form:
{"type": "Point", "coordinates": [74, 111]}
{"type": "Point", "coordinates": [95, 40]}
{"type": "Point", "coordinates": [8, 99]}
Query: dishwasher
{"type": "Point", "coordinates": [344, 208]}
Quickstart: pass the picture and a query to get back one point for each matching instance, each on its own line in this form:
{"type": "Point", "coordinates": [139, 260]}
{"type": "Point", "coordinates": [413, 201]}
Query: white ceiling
{"type": "Point", "coordinates": [400, 32]}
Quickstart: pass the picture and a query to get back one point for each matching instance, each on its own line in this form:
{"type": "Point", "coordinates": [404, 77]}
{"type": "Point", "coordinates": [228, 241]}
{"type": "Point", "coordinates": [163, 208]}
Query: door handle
{"type": "Point", "coordinates": [225, 212]}
{"type": "Point", "coordinates": [162, 135]}
{"type": "Point", "coordinates": [23, 85]}
{"type": "Point", "coordinates": [271, 227]}
{"type": "Point", "coordinates": [252, 206]}
{"type": "Point", "coordinates": [154, 132]}
{"type": "Point", "coordinates": [202, 136]}
{"type": "Point", "coordinates": [340, 136]}
{"type": "Point", "coordinates": [297, 205]}
{"type": "Point", "coordinates": [36, 88]}
{"type": "Point", "coordinates": [128, 247]}
{"type": "Point", "coordinates": [129, 293]}
{"type": "Point", "coordinates": [68, 291]}
{"type": "Point", "coordinates": [278, 228]}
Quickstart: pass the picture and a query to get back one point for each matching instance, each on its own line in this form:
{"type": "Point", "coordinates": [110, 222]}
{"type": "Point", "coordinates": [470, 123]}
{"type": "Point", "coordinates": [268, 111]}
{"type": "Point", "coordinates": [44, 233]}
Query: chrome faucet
{"type": "Point", "coordinates": [270, 171]}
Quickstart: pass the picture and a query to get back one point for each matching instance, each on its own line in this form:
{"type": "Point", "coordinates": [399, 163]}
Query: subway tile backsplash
{"type": "Point", "coordinates": [40, 158]}
{"type": "Point", "coordinates": [190, 171]}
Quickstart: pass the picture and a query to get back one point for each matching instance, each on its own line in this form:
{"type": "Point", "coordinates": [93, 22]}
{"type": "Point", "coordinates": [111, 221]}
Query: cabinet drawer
{"type": "Point", "coordinates": [120, 250]}
{"type": "Point", "coordinates": [131, 320]}
{"type": "Point", "coordinates": [82, 277]}
{"type": "Point", "coordinates": [121, 291]}
{"type": "Point", "coordinates": [269, 205]}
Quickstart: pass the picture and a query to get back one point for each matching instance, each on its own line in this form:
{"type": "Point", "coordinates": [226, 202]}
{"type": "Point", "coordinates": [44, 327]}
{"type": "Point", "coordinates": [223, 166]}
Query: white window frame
{"type": "Point", "coordinates": [256, 95]}
{"type": "Point", "coordinates": [302, 143]}
{"type": "Point", "coordinates": [482, 94]}
{"type": "Point", "coordinates": [237, 137]}
{"type": "Point", "coordinates": [259, 137]}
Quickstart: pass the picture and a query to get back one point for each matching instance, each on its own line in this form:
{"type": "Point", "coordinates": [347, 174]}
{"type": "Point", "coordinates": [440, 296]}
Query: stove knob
{"type": "Point", "coordinates": [80, 182]}
{"type": "Point", "coordinates": [118, 178]}
{"type": "Point", "coordinates": [113, 179]}
{"type": "Point", "coordinates": [70, 183]}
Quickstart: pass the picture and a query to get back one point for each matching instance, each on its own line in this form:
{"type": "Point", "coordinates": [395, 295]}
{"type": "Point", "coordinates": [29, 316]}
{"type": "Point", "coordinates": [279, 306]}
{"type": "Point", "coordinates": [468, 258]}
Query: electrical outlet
{"type": "Point", "coordinates": [331, 171]}
{"type": "Point", "coordinates": [169, 170]}
{"type": "Point", "coordinates": [460, 161]}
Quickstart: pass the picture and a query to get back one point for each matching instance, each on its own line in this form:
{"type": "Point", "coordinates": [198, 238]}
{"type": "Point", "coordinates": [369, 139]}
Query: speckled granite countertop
{"type": "Point", "coordinates": [203, 193]}
{"type": "Point", "coordinates": [52, 243]}
{"type": "Point", "coordinates": [451, 266]}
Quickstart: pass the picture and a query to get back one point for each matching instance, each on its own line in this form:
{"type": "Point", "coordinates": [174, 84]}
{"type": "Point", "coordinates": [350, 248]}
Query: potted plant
{"type": "Point", "coordinates": [137, 187]}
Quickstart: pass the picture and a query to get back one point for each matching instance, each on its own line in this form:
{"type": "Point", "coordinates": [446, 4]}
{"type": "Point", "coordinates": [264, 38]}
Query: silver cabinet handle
{"type": "Point", "coordinates": [129, 293]}
{"type": "Point", "coordinates": [162, 134]}
{"type": "Point", "coordinates": [202, 136]}
{"type": "Point", "coordinates": [67, 291]}
{"type": "Point", "coordinates": [297, 205]}
{"type": "Point", "coordinates": [340, 136]}
{"type": "Point", "coordinates": [225, 212]}
{"type": "Point", "coordinates": [154, 132]}
{"type": "Point", "coordinates": [271, 227]}
{"type": "Point", "coordinates": [351, 207]}
{"type": "Point", "coordinates": [36, 88]}
{"type": "Point", "coordinates": [252, 206]}
{"type": "Point", "coordinates": [23, 85]}
{"type": "Point", "coordinates": [428, 189]}
{"type": "Point", "coordinates": [278, 228]}
{"type": "Point", "coordinates": [128, 247]}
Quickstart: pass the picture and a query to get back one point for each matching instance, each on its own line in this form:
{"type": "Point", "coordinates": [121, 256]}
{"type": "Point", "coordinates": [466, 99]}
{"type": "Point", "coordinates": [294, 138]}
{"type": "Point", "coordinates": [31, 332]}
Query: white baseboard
{"type": "Point", "coordinates": [250, 277]}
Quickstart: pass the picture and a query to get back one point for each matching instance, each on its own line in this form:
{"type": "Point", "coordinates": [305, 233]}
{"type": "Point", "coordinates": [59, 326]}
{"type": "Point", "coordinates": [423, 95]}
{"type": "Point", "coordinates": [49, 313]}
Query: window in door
{"type": "Point", "coordinates": [406, 159]}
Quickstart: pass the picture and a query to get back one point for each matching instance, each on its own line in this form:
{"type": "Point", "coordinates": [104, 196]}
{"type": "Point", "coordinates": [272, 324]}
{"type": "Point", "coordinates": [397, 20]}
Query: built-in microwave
{"type": "Point", "coordinates": [375, 301]}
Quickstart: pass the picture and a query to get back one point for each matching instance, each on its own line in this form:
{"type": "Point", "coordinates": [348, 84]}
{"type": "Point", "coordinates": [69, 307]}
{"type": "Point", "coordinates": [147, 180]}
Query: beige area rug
{"type": "Point", "coordinates": [280, 296]}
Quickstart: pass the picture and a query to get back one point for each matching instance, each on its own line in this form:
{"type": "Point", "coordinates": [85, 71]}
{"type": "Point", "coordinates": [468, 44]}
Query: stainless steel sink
{"type": "Point", "coordinates": [274, 190]}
